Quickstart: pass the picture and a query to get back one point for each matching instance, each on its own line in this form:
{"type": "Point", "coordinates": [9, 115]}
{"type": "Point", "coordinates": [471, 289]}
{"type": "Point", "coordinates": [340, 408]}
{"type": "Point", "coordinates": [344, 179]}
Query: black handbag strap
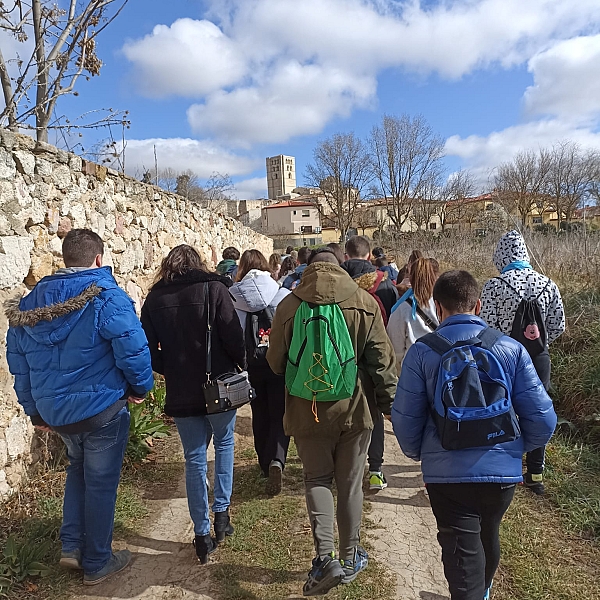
{"type": "Point", "coordinates": [426, 319]}
{"type": "Point", "coordinates": [208, 333]}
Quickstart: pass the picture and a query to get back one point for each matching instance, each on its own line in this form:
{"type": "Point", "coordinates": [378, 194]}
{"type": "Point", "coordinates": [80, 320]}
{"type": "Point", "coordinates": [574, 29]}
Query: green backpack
{"type": "Point", "coordinates": [321, 360]}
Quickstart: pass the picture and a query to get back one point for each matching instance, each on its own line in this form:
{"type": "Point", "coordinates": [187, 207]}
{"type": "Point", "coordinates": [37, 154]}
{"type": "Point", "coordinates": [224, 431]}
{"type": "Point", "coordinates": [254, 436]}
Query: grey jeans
{"type": "Point", "coordinates": [340, 456]}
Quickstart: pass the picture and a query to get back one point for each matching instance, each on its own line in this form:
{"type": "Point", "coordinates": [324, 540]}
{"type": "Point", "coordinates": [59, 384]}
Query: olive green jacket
{"type": "Point", "coordinates": [325, 283]}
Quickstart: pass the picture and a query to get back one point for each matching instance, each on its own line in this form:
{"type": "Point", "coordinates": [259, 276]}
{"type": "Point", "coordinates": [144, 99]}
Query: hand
{"type": "Point", "coordinates": [44, 428]}
{"type": "Point", "coordinates": [135, 400]}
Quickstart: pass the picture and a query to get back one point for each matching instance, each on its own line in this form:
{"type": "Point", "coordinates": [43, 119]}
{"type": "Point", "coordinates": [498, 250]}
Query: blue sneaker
{"type": "Point", "coordinates": [353, 567]}
{"type": "Point", "coordinates": [117, 562]}
{"type": "Point", "coordinates": [326, 573]}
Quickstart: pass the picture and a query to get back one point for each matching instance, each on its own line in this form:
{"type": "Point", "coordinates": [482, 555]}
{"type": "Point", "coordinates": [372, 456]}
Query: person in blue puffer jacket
{"type": "Point", "coordinates": [470, 489]}
{"type": "Point", "coordinates": [79, 354]}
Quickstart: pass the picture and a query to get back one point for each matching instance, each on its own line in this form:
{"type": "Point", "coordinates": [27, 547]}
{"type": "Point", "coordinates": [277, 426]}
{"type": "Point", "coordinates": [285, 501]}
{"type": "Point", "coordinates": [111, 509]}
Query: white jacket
{"type": "Point", "coordinates": [254, 293]}
{"type": "Point", "coordinates": [404, 331]}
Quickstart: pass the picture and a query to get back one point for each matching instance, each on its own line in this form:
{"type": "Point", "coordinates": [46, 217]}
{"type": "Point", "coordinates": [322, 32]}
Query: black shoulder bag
{"type": "Point", "coordinates": [227, 391]}
{"type": "Point", "coordinates": [426, 319]}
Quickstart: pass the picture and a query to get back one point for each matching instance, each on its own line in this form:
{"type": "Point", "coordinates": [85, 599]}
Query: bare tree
{"type": "Point", "coordinates": [407, 160]}
{"type": "Point", "coordinates": [215, 192]}
{"type": "Point", "coordinates": [342, 170]}
{"type": "Point", "coordinates": [572, 176]}
{"type": "Point", "coordinates": [460, 186]}
{"type": "Point", "coordinates": [167, 179]}
{"type": "Point", "coordinates": [59, 46]}
{"type": "Point", "coordinates": [521, 182]}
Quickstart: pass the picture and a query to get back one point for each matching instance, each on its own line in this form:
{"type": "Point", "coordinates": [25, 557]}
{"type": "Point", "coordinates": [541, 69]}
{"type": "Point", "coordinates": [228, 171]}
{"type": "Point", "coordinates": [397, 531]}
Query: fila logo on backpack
{"type": "Point", "coordinates": [472, 406]}
{"type": "Point", "coordinates": [529, 326]}
{"type": "Point", "coordinates": [321, 360]}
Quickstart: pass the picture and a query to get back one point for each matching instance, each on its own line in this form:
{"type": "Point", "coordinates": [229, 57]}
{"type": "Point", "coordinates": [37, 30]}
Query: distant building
{"type": "Point", "coordinates": [292, 222]}
{"type": "Point", "coordinates": [281, 175]}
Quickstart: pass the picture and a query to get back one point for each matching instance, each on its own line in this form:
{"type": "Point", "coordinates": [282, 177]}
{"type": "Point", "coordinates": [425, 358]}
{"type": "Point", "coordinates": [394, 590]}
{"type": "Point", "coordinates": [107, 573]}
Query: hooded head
{"type": "Point", "coordinates": [510, 248]}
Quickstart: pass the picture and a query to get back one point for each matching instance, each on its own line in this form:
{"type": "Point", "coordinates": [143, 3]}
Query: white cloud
{"type": "Point", "coordinates": [483, 153]}
{"type": "Point", "coordinates": [566, 80]}
{"type": "Point", "coordinates": [250, 189]}
{"type": "Point", "coordinates": [190, 58]}
{"type": "Point", "coordinates": [274, 69]}
{"type": "Point", "coordinates": [292, 100]}
{"type": "Point", "coordinates": [200, 156]}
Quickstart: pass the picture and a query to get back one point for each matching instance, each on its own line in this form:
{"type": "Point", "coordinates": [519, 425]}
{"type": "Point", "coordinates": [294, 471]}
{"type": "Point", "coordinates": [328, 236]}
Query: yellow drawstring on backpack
{"type": "Point", "coordinates": [314, 408]}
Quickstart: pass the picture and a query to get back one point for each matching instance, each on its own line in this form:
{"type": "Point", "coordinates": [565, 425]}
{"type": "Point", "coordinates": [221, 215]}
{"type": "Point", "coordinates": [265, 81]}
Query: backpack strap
{"type": "Point", "coordinates": [488, 337]}
{"type": "Point", "coordinates": [436, 342]}
{"type": "Point", "coordinates": [509, 285]}
{"type": "Point", "coordinates": [545, 288]}
{"type": "Point", "coordinates": [424, 317]}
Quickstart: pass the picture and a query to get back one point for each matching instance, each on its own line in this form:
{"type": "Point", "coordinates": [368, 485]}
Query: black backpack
{"type": "Point", "coordinates": [529, 327]}
{"type": "Point", "coordinates": [258, 330]}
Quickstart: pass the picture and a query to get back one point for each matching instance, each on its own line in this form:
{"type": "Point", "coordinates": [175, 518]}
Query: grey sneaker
{"type": "Point", "coordinates": [326, 573]}
{"type": "Point", "coordinates": [71, 560]}
{"type": "Point", "coordinates": [354, 566]}
{"type": "Point", "coordinates": [117, 562]}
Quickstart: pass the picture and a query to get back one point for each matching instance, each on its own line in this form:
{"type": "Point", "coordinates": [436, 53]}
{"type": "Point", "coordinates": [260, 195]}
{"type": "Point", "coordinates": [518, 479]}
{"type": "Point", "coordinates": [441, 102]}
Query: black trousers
{"type": "Point", "coordinates": [375, 453]}
{"type": "Point", "coordinates": [536, 458]}
{"type": "Point", "coordinates": [468, 517]}
{"type": "Point", "coordinates": [270, 441]}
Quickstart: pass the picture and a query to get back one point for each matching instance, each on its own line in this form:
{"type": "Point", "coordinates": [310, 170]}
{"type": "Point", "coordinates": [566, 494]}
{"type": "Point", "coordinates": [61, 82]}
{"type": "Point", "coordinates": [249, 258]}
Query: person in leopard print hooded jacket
{"type": "Point", "coordinates": [500, 299]}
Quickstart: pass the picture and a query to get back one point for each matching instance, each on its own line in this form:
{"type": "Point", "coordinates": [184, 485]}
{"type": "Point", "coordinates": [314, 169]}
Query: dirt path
{"type": "Point", "coordinates": [407, 543]}
{"type": "Point", "coordinates": [165, 568]}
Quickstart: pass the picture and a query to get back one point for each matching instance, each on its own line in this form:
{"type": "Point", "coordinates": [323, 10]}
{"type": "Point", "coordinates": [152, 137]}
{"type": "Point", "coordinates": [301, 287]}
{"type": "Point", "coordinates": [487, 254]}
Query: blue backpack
{"type": "Point", "coordinates": [472, 406]}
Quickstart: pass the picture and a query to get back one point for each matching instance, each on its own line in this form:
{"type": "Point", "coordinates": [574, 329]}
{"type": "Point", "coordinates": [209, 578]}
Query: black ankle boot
{"type": "Point", "coordinates": [223, 525]}
{"type": "Point", "coordinates": [204, 545]}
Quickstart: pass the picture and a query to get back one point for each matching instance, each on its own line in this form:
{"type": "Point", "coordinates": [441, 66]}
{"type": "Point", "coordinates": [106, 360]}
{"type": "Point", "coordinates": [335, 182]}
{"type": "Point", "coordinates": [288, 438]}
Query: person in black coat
{"type": "Point", "coordinates": [175, 320]}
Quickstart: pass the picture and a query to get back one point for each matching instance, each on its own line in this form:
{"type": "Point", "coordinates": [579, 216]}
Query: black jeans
{"type": "Point", "coordinates": [375, 454]}
{"type": "Point", "coordinates": [535, 459]}
{"type": "Point", "coordinates": [468, 517]}
{"type": "Point", "coordinates": [270, 441]}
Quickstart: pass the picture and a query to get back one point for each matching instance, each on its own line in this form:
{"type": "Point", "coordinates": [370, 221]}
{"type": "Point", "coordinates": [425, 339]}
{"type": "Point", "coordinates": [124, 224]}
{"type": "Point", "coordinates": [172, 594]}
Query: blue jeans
{"type": "Point", "coordinates": [195, 436]}
{"type": "Point", "coordinates": [95, 461]}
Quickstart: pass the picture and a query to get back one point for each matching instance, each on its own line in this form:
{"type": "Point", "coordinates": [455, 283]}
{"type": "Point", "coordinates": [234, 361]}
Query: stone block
{"type": "Point", "coordinates": [3, 454]}
{"type": "Point", "coordinates": [55, 245]}
{"type": "Point", "coordinates": [7, 192]}
{"type": "Point", "coordinates": [119, 224]}
{"type": "Point", "coordinates": [148, 256]}
{"type": "Point", "coordinates": [24, 161]}
{"type": "Point", "coordinates": [40, 236]}
{"type": "Point", "coordinates": [101, 172]}
{"type": "Point", "coordinates": [5, 228]}
{"type": "Point", "coordinates": [8, 138]}
{"type": "Point", "coordinates": [43, 167]}
{"type": "Point", "coordinates": [61, 177]}
{"type": "Point", "coordinates": [5, 489]}
{"type": "Point", "coordinates": [52, 220]}
{"type": "Point", "coordinates": [62, 157]}
{"type": "Point", "coordinates": [64, 226]}
{"type": "Point", "coordinates": [77, 214]}
{"type": "Point", "coordinates": [43, 147]}
{"type": "Point", "coordinates": [41, 266]}
{"type": "Point", "coordinates": [8, 168]}
{"type": "Point", "coordinates": [118, 245]}
{"type": "Point", "coordinates": [18, 436]}
{"type": "Point", "coordinates": [15, 260]}
{"type": "Point", "coordinates": [25, 142]}
{"type": "Point", "coordinates": [75, 163]}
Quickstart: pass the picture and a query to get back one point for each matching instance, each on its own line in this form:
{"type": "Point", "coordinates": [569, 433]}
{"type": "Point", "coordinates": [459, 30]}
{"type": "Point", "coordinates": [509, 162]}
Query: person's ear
{"type": "Point", "coordinates": [98, 261]}
{"type": "Point", "coordinates": [438, 310]}
{"type": "Point", "coordinates": [478, 307]}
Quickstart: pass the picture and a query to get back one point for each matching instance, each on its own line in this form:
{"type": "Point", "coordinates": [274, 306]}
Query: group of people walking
{"type": "Point", "coordinates": [323, 336]}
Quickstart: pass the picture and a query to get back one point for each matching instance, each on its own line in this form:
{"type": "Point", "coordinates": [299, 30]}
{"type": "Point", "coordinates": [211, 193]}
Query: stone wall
{"type": "Point", "coordinates": [44, 193]}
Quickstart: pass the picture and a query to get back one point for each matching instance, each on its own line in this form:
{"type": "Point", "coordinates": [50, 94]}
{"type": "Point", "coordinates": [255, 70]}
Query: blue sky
{"type": "Point", "coordinates": [218, 86]}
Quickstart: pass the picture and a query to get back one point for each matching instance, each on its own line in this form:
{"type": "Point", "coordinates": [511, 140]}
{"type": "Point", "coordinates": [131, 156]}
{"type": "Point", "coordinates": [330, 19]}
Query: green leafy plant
{"type": "Point", "coordinates": [143, 428]}
{"type": "Point", "coordinates": [21, 560]}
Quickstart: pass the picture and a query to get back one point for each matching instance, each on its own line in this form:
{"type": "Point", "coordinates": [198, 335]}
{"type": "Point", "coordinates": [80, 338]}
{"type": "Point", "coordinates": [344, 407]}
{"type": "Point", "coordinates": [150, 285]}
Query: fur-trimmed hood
{"type": "Point", "coordinates": [30, 318]}
{"type": "Point", "coordinates": [53, 308]}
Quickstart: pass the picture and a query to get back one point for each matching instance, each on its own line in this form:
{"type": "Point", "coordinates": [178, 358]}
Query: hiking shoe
{"type": "Point", "coordinates": [326, 573]}
{"type": "Point", "coordinates": [275, 474]}
{"type": "Point", "coordinates": [354, 566]}
{"type": "Point", "coordinates": [535, 482]}
{"type": "Point", "coordinates": [486, 596]}
{"type": "Point", "coordinates": [71, 560]}
{"type": "Point", "coordinates": [116, 563]}
{"type": "Point", "coordinates": [377, 480]}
